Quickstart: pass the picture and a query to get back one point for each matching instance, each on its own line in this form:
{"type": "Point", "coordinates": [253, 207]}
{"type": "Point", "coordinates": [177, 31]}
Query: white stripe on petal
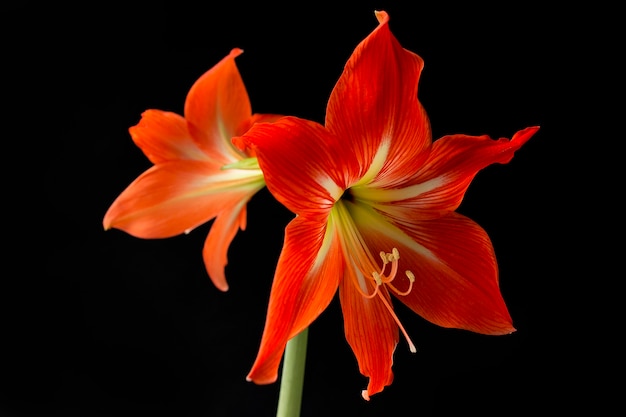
{"type": "Point", "coordinates": [377, 163]}
{"type": "Point", "coordinates": [381, 195]}
{"type": "Point", "coordinates": [331, 186]}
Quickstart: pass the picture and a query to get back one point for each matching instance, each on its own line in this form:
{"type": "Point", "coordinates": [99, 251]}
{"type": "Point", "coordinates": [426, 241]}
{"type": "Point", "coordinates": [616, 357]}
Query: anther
{"type": "Point", "coordinates": [411, 278]}
{"type": "Point", "coordinates": [383, 256]}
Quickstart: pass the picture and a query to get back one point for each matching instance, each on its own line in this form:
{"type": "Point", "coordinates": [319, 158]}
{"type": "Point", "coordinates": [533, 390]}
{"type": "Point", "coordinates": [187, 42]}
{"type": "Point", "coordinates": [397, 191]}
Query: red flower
{"type": "Point", "coordinates": [372, 182]}
{"type": "Point", "coordinates": [197, 174]}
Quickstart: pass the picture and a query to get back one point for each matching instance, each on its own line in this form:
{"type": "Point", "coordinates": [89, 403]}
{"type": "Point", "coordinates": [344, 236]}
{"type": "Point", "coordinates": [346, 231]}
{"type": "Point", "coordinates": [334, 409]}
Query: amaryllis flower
{"type": "Point", "coordinates": [375, 200]}
{"type": "Point", "coordinates": [197, 174]}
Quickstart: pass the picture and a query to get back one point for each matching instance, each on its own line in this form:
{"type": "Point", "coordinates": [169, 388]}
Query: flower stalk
{"type": "Point", "coordinates": [292, 378]}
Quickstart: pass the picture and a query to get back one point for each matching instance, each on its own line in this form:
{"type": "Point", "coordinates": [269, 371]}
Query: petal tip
{"type": "Point", "coordinates": [235, 52]}
{"type": "Point", "coordinates": [382, 16]}
{"type": "Point", "coordinates": [262, 380]}
{"type": "Point", "coordinates": [107, 222]}
{"type": "Point", "coordinates": [365, 395]}
{"type": "Point", "coordinates": [525, 134]}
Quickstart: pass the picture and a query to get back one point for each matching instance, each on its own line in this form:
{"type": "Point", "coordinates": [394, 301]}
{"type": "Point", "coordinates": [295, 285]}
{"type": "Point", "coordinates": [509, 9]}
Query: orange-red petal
{"type": "Point", "coordinates": [456, 274]}
{"type": "Point", "coordinates": [216, 105]}
{"type": "Point", "coordinates": [175, 197]}
{"type": "Point", "coordinates": [302, 168]}
{"type": "Point", "coordinates": [372, 334]}
{"type": "Point", "coordinates": [438, 187]}
{"type": "Point", "coordinates": [222, 233]}
{"type": "Point", "coordinates": [307, 276]}
{"type": "Point", "coordinates": [374, 104]}
{"type": "Point", "coordinates": [163, 136]}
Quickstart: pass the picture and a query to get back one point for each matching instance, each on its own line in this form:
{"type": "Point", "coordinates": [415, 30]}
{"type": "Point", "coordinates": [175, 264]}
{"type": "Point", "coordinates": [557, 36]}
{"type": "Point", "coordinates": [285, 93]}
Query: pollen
{"type": "Point", "coordinates": [377, 278]}
{"type": "Point", "coordinates": [410, 276]}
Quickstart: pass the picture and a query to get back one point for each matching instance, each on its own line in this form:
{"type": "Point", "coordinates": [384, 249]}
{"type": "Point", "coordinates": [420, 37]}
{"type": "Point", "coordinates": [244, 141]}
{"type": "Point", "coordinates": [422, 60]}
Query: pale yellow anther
{"type": "Point", "coordinates": [396, 253]}
{"type": "Point", "coordinates": [410, 275]}
{"type": "Point", "coordinates": [383, 256]}
{"type": "Point", "coordinates": [377, 278]}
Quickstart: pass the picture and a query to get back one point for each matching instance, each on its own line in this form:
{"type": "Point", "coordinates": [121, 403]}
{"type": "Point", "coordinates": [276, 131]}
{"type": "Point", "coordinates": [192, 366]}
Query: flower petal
{"type": "Point", "coordinates": [374, 106]}
{"type": "Point", "coordinates": [371, 332]}
{"type": "Point", "coordinates": [163, 136]}
{"type": "Point", "coordinates": [456, 274]}
{"type": "Point", "coordinates": [439, 186]}
{"type": "Point", "coordinates": [300, 164]}
{"type": "Point", "coordinates": [222, 233]}
{"type": "Point", "coordinates": [254, 119]}
{"type": "Point", "coordinates": [307, 277]}
{"type": "Point", "coordinates": [175, 197]}
{"type": "Point", "coordinates": [216, 105]}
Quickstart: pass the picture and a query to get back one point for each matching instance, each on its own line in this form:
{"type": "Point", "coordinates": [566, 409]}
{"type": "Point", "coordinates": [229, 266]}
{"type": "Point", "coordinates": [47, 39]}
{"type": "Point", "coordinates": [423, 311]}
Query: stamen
{"type": "Point", "coordinates": [380, 278]}
{"type": "Point", "coordinates": [383, 256]}
{"type": "Point", "coordinates": [363, 266]}
{"type": "Point", "coordinates": [354, 279]}
{"type": "Point", "coordinates": [393, 258]}
{"type": "Point", "coordinates": [397, 320]}
{"type": "Point", "coordinates": [411, 278]}
{"type": "Point", "coordinates": [387, 258]}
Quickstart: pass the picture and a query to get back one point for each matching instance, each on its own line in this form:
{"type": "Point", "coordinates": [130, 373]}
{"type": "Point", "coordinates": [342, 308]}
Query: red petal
{"type": "Point", "coordinates": [439, 186]}
{"type": "Point", "coordinates": [175, 197]}
{"type": "Point", "coordinates": [371, 332]}
{"type": "Point", "coordinates": [374, 104]}
{"type": "Point", "coordinates": [456, 274]}
{"type": "Point", "coordinates": [300, 163]}
{"type": "Point", "coordinates": [222, 233]}
{"type": "Point", "coordinates": [306, 280]}
{"type": "Point", "coordinates": [163, 136]}
{"type": "Point", "coordinates": [217, 104]}
{"type": "Point", "coordinates": [256, 118]}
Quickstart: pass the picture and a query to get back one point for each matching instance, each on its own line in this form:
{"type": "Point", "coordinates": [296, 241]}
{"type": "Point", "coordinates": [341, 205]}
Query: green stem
{"type": "Point", "coordinates": [292, 379]}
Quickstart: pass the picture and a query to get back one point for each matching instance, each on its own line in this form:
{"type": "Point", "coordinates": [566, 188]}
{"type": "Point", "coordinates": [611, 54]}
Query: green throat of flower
{"type": "Point", "coordinates": [246, 163]}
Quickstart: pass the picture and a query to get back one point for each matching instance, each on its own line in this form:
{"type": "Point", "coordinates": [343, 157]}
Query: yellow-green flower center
{"type": "Point", "coordinates": [246, 163]}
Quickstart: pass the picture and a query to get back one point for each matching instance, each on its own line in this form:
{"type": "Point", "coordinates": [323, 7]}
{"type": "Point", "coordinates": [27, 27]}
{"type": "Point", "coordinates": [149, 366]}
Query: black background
{"type": "Point", "coordinates": [119, 326]}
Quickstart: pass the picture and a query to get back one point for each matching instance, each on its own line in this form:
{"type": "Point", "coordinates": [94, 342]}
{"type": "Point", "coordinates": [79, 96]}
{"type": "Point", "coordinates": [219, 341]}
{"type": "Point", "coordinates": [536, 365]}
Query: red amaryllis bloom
{"type": "Point", "coordinates": [197, 174]}
{"type": "Point", "coordinates": [375, 202]}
